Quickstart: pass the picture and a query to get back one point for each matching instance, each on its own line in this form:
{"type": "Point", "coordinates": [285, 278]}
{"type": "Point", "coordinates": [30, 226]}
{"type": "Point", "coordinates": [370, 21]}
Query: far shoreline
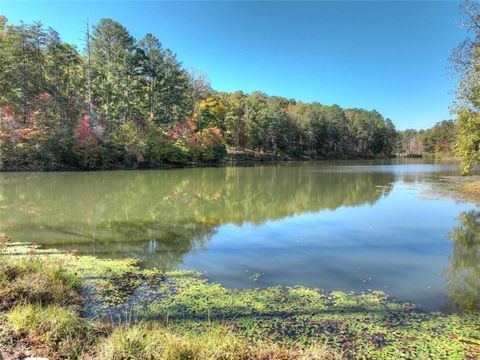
{"type": "Point", "coordinates": [241, 161]}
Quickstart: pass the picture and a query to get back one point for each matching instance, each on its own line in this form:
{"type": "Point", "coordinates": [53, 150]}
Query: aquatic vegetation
{"type": "Point", "coordinates": [255, 276]}
{"type": "Point", "coordinates": [194, 314]}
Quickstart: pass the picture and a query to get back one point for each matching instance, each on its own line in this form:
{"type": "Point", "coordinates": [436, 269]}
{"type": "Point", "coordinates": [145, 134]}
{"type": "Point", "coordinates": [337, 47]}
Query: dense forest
{"type": "Point", "coordinates": [124, 103]}
{"type": "Point", "coordinates": [438, 140]}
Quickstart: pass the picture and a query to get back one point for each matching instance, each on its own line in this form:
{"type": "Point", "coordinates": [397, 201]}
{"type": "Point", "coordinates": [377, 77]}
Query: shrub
{"type": "Point", "coordinates": [87, 147]}
{"type": "Point", "coordinates": [131, 141]}
{"type": "Point", "coordinates": [162, 149]}
{"type": "Point", "coordinates": [207, 145]}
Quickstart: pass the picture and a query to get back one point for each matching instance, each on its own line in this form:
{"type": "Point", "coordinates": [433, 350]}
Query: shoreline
{"type": "Point", "coordinates": [267, 160]}
{"type": "Point", "coordinates": [114, 299]}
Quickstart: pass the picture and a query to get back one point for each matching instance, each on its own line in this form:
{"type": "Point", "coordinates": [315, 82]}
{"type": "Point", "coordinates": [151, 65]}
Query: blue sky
{"type": "Point", "coordinates": [388, 56]}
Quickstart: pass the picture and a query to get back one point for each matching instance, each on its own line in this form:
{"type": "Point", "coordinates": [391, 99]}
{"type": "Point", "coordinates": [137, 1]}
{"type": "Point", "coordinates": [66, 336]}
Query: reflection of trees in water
{"type": "Point", "coordinates": [148, 241]}
{"type": "Point", "coordinates": [170, 211]}
{"type": "Point", "coordinates": [463, 274]}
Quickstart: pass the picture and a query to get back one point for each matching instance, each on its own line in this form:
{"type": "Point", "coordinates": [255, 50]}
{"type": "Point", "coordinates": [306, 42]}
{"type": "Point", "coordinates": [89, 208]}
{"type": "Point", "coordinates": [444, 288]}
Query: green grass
{"type": "Point", "coordinates": [136, 313]}
{"type": "Point", "coordinates": [60, 330]}
{"type": "Point", "coordinates": [154, 341]}
{"type": "Point", "coordinates": [33, 280]}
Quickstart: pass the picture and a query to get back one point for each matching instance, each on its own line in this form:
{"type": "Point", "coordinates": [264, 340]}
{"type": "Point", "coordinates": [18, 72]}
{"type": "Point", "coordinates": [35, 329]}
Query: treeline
{"type": "Point", "coordinates": [439, 140]}
{"type": "Point", "coordinates": [124, 102]}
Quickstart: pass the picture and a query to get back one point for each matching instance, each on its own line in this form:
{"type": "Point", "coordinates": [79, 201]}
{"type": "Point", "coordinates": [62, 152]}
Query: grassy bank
{"type": "Point", "coordinates": [44, 298]}
{"type": "Point", "coordinates": [80, 307]}
{"type": "Point", "coordinates": [471, 190]}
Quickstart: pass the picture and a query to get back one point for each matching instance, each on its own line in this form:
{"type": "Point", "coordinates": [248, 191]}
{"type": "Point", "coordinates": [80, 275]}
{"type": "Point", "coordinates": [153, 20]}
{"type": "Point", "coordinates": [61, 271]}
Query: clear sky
{"type": "Point", "coordinates": [388, 56]}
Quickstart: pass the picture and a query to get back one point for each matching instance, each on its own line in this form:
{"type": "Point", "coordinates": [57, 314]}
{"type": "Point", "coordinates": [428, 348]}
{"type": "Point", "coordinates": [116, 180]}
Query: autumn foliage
{"type": "Point", "coordinates": [87, 146]}
{"type": "Point", "coordinates": [21, 145]}
{"type": "Point", "coordinates": [128, 103]}
{"type": "Point", "coordinates": [207, 145]}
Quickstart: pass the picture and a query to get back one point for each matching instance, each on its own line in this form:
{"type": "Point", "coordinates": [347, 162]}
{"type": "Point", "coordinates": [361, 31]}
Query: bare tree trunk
{"type": "Point", "coordinates": [93, 120]}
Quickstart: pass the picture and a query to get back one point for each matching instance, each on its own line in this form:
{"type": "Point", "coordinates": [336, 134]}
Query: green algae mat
{"type": "Point", "coordinates": [367, 325]}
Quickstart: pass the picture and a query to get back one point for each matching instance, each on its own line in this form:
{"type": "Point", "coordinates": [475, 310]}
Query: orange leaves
{"type": "Point", "coordinates": [44, 97]}
{"type": "Point", "coordinates": [216, 133]}
{"type": "Point", "coordinates": [177, 132]}
{"type": "Point", "coordinates": [84, 131]}
{"type": "Point", "coordinates": [206, 138]}
{"type": "Point", "coordinates": [191, 124]}
{"type": "Point", "coordinates": [11, 129]}
{"type": "Point", "coordinates": [184, 130]}
{"type": "Point", "coordinates": [207, 145]}
{"type": "Point", "coordinates": [86, 146]}
{"type": "Point", "coordinates": [27, 133]}
{"type": "Point", "coordinates": [8, 121]}
{"type": "Point", "coordinates": [7, 114]}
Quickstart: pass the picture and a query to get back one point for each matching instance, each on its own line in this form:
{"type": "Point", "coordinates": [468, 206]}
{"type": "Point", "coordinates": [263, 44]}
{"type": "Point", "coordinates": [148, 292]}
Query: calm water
{"type": "Point", "coordinates": [348, 225]}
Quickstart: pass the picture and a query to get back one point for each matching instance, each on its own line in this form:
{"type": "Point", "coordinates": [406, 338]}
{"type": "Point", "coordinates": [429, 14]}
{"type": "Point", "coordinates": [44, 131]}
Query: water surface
{"type": "Point", "coordinates": [350, 226]}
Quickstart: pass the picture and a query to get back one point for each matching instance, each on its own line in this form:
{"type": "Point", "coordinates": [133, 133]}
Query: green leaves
{"type": "Point", "coordinates": [467, 102]}
{"type": "Point", "coordinates": [468, 139]}
{"type": "Point", "coordinates": [131, 91]}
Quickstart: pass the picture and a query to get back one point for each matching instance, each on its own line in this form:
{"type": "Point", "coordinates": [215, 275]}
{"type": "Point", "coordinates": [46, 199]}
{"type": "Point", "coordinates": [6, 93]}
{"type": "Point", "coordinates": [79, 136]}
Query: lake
{"type": "Point", "coordinates": [346, 225]}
